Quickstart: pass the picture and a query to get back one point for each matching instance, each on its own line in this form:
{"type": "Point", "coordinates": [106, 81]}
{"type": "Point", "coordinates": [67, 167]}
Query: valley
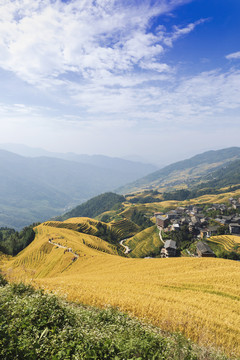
{"type": "Point", "coordinates": [113, 251]}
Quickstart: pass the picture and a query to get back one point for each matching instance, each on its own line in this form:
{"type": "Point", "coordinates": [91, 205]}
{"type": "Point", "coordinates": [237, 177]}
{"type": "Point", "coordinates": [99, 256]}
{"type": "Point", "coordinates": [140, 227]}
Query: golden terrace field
{"type": "Point", "coordinates": [227, 242]}
{"type": "Point", "coordinates": [199, 297]}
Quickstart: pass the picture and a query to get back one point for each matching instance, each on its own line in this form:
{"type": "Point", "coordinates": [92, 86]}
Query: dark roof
{"type": "Point", "coordinates": [170, 244]}
{"type": "Point", "coordinates": [213, 228]}
{"type": "Point", "coordinates": [227, 217]}
{"type": "Point", "coordinates": [204, 248]}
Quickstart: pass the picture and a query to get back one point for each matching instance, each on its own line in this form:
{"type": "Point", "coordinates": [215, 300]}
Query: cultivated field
{"type": "Point", "coordinates": [144, 242]}
{"type": "Point", "coordinates": [198, 297]}
{"type": "Point", "coordinates": [227, 242]}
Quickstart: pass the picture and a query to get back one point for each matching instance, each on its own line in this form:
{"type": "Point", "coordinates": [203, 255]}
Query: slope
{"type": "Point", "coordinates": [111, 232]}
{"type": "Point", "coordinates": [225, 176]}
{"type": "Point", "coordinates": [176, 294]}
{"type": "Point", "coordinates": [35, 189]}
{"type": "Point", "coordinates": [51, 258]}
{"type": "Point", "coordinates": [184, 172]}
{"type": "Point", "coordinates": [94, 206]}
{"type": "Point", "coordinates": [145, 243]}
{"type": "Point", "coordinates": [135, 168]}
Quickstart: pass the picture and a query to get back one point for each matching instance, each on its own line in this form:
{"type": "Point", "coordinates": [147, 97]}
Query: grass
{"type": "Point", "coordinates": [198, 297]}
{"type": "Point", "coordinates": [34, 325]}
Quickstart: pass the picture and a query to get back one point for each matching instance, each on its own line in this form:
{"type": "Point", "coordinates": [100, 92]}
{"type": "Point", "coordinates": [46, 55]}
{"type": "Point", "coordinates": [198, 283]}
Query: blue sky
{"type": "Point", "coordinates": [157, 79]}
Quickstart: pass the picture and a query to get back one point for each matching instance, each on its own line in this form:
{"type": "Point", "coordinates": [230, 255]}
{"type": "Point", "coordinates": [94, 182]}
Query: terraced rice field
{"type": "Point", "coordinates": [121, 229]}
{"type": "Point", "coordinates": [124, 228]}
{"type": "Point", "coordinates": [84, 225]}
{"type": "Point", "coordinates": [145, 242]}
{"type": "Point", "coordinates": [199, 297]}
{"type": "Point", "coordinates": [227, 242]}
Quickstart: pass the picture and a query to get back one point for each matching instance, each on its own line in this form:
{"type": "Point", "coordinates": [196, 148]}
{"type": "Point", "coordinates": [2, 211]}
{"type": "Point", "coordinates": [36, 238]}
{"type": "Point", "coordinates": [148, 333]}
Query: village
{"type": "Point", "coordinates": [201, 222]}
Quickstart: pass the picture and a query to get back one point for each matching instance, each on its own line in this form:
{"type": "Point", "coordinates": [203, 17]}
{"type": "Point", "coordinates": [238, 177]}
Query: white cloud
{"type": "Point", "coordinates": [189, 101]}
{"type": "Point", "coordinates": [41, 41]}
{"type": "Point", "coordinates": [233, 56]}
{"type": "Point", "coordinates": [178, 32]}
{"type": "Point", "coordinates": [106, 69]}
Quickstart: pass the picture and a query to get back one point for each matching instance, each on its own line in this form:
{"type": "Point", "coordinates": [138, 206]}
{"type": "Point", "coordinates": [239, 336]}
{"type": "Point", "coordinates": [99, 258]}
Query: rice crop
{"type": "Point", "coordinates": [144, 243]}
{"type": "Point", "coordinates": [228, 242]}
{"type": "Point", "coordinates": [199, 297]}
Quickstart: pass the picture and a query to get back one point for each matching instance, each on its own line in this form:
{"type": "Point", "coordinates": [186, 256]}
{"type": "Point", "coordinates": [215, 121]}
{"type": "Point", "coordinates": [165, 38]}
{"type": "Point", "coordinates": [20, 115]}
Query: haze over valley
{"type": "Point", "coordinates": [120, 179]}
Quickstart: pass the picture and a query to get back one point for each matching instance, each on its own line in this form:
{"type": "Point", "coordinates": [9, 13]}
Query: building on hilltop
{"type": "Point", "coordinates": [203, 250]}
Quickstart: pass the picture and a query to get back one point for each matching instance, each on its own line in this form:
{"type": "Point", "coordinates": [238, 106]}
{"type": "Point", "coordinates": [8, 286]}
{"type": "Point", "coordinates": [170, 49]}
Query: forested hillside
{"type": "Point", "coordinates": [185, 172]}
{"type": "Point", "coordinates": [95, 206]}
{"type": "Point", "coordinates": [12, 241]}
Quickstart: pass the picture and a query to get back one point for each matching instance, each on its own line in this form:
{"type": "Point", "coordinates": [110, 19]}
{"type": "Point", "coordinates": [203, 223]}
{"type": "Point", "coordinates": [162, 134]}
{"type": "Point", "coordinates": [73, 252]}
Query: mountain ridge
{"type": "Point", "coordinates": [212, 160]}
{"type": "Point", "coordinates": [36, 189]}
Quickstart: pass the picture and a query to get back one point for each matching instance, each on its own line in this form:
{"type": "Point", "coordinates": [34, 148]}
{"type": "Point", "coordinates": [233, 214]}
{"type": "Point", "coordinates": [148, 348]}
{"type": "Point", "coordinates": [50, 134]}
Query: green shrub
{"type": "Point", "coordinates": [3, 281]}
{"type": "Point", "coordinates": [34, 325]}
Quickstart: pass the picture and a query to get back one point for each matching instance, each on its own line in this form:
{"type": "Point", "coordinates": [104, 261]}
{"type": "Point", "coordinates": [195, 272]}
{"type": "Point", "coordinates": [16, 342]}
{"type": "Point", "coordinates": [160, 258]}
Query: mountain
{"type": "Point", "coordinates": [132, 168]}
{"type": "Point", "coordinates": [94, 206]}
{"type": "Point", "coordinates": [38, 188]}
{"type": "Point", "coordinates": [184, 173]}
{"type": "Point", "coordinates": [225, 176]}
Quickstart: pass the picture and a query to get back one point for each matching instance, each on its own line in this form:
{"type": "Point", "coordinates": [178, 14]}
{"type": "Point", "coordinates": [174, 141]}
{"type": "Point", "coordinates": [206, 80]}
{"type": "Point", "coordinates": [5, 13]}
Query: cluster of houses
{"type": "Point", "coordinates": [198, 224]}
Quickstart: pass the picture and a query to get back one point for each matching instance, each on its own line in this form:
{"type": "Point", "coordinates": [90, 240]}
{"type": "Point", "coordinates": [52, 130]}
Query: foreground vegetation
{"type": "Point", "coordinates": [197, 297]}
{"type": "Point", "coordinates": [34, 325]}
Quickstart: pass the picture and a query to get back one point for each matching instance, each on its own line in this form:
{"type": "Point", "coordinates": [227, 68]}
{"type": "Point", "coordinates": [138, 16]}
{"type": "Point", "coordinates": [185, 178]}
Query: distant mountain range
{"type": "Point", "coordinates": [128, 166]}
{"type": "Point", "coordinates": [38, 188]}
{"type": "Point", "coordinates": [189, 172]}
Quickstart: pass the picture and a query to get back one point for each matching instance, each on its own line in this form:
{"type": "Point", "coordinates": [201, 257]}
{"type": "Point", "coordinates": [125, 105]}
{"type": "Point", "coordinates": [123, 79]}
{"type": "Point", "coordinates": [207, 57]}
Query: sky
{"type": "Point", "coordinates": [157, 79]}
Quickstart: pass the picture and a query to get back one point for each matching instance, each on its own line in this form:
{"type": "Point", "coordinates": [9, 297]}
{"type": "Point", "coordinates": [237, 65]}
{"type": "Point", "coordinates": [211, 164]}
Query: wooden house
{"type": "Point", "coordinates": [203, 250]}
{"type": "Point", "coordinates": [207, 232]}
{"type": "Point", "coordinates": [162, 221]}
{"type": "Point", "coordinates": [169, 249]}
{"type": "Point", "coordinates": [234, 228]}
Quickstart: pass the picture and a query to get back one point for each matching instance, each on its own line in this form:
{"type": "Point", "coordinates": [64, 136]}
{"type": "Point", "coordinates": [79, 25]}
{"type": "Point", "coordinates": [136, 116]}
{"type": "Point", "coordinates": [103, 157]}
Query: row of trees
{"type": "Point", "coordinates": [12, 241]}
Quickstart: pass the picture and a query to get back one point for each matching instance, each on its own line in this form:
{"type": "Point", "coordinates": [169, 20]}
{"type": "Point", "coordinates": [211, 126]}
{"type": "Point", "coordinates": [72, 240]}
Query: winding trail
{"type": "Point", "coordinates": [127, 249]}
{"type": "Point", "coordinates": [160, 235]}
{"type": "Point", "coordinates": [63, 247]}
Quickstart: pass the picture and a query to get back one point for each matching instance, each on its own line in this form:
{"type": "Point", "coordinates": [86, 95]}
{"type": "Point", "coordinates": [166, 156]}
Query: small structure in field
{"type": "Point", "coordinates": [203, 250]}
{"type": "Point", "coordinates": [169, 249]}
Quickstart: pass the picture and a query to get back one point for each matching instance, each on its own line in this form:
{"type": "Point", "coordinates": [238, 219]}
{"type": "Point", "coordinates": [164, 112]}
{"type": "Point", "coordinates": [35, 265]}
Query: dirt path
{"type": "Point", "coordinates": [160, 236]}
{"type": "Point", "coordinates": [127, 249]}
{"type": "Point", "coordinates": [63, 247]}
